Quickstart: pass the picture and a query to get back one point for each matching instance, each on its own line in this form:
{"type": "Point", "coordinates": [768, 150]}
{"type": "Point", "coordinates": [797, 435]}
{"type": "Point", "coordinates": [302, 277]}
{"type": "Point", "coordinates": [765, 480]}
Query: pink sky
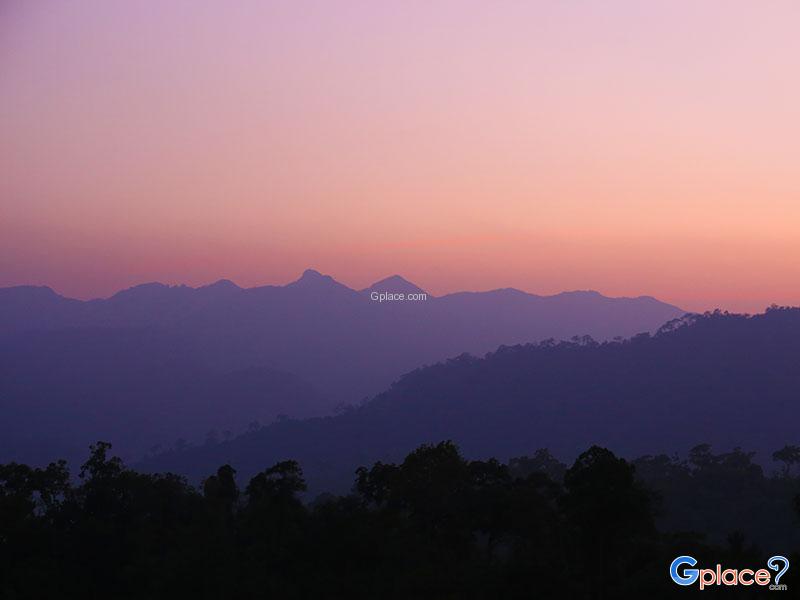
{"type": "Point", "coordinates": [628, 147]}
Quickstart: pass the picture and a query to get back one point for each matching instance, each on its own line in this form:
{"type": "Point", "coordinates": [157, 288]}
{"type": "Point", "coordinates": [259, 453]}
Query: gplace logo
{"type": "Point", "coordinates": [684, 576]}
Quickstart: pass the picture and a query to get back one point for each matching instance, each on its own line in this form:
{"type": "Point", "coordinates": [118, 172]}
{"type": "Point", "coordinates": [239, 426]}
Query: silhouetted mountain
{"type": "Point", "coordinates": [395, 285]}
{"type": "Point", "coordinates": [36, 307]}
{"type": "Point", "coordinates": [223, 286]}
{"type": "Point", "coordinates": [728, 380]}
{"type": "Point", "coordinates": [315, 282]}
{"type": "Point", "coordinates": [336, 338]}
{"type": "Point", "coordinates": [87, 360]}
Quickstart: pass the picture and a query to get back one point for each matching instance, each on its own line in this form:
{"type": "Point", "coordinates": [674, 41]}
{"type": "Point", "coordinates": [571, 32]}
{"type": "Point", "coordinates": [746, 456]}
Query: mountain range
{"type": "Point", "coordinates": [155, 363]}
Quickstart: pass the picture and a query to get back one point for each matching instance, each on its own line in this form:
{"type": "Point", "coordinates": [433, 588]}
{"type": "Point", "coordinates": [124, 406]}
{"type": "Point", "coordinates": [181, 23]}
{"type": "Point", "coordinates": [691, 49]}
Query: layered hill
{"type": "Point", "coordinates": [155, 363]}
{"type": "Point", "coordinates": [727, 380]}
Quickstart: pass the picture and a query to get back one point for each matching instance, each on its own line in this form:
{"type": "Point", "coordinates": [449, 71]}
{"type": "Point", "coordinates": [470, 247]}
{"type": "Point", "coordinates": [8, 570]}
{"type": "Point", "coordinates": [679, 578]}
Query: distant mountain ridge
{"type": "Point", "coordinates": [26, 306]}
{"type": "Point", "coordinates": [338, 339]}
{"type": "Point", "coordinates": [337, 346]}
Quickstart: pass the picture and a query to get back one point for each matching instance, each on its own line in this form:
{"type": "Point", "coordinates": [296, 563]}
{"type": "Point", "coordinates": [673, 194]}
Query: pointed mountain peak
{"type": "Point", "coordinates": [395, 284]}
{"type": "Point", "coordinates": [314, 280]}
{"type": "Point", "coordinates": [313, 274]}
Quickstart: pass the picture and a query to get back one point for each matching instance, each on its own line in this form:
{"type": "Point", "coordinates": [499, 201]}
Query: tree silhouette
{"type": "Point", "coordinates": [789, 456]}
{"type": "Point", "coordinates": [436, 525]}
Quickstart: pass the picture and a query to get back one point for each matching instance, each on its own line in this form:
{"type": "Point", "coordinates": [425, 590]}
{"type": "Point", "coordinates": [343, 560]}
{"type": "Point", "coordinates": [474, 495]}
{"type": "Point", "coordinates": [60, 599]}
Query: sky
{"type": "Point", "coordinates": [634, 148]}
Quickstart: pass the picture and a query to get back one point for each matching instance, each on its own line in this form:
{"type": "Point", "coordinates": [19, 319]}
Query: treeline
{"type": "Point", "coordinates": [434, 526]}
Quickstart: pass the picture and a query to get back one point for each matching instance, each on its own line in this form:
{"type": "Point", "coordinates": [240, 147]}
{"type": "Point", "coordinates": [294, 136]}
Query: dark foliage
{"type": "Point", "coordinates": [433, 526]}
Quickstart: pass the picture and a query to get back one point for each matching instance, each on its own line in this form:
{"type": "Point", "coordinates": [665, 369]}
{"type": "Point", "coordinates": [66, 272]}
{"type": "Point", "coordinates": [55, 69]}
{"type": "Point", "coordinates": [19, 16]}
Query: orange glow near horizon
{"type": "Point", "coordinates": [630, 148]}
